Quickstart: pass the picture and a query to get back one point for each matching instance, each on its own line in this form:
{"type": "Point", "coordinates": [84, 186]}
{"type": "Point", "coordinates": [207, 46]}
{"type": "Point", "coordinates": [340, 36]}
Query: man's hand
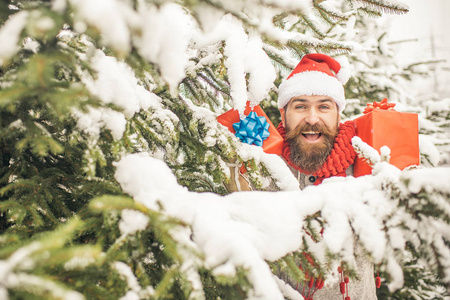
{"type": "Point", "coordinates": [238, 181]}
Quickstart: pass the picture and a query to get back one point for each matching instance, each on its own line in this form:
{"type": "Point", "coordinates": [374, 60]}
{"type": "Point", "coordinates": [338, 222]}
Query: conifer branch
{"type": "Point", "coordinates": [278, 60]}
{"type": "Point", "coordinates": [310, 24]}
{"type": "Point", "coordinates": [300, 48]}
{"type": "Point", "coordinates": [385, 6]}
{"type": "Point", "coordinates": [369, 12]}
{"type": "Point", "coordinates": [330, 16]}
{"type": "Point", "coordinates": [51, 168]}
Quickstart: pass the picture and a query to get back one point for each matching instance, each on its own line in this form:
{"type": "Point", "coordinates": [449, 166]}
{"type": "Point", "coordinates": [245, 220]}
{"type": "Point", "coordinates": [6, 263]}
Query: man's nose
{"type": "Point", "coordinates": [312, 117]}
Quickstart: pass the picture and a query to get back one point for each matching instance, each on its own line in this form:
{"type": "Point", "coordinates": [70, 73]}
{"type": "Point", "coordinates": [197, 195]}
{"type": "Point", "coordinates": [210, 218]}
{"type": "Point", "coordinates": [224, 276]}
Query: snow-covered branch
{"type": "Point", "coordinates": [249, 228]}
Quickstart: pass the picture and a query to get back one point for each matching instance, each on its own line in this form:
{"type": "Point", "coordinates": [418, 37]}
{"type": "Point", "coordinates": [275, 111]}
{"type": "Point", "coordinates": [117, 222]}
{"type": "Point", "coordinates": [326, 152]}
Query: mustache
{"type": "Point", "coordinates": [305, 127]}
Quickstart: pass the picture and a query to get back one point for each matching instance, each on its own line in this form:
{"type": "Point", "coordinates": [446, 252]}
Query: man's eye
{"type": "Point", "coordinates": [324, 107]}
{"type": "Point", "coordinates": [300, 107]}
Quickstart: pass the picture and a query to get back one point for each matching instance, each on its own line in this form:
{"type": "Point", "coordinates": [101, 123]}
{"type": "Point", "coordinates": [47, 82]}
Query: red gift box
{"type": "Point", "coordinates": [273, 144]}
{"type": "Point", "coordinates": [399, 131]}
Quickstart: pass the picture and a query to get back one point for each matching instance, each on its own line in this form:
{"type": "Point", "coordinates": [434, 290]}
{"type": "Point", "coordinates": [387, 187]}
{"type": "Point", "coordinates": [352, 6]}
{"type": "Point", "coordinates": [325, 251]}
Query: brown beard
{"type": "Point", "coordinates": [310, 157]}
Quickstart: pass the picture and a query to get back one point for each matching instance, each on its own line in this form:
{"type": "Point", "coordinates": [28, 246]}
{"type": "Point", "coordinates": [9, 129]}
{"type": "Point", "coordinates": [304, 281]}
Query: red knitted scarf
{"type": "Point", "coordinates": [341, 157]}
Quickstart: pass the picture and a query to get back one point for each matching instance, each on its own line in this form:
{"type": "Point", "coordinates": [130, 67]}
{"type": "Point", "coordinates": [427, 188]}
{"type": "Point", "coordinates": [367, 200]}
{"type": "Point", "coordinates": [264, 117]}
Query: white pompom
{"type": "Point", "coordinates": [344, 73]}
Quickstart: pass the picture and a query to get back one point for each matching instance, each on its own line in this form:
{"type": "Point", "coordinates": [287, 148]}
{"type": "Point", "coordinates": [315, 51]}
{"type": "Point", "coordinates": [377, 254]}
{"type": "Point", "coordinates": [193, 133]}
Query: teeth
{"type": "Point", "coordinates": [310, 132]}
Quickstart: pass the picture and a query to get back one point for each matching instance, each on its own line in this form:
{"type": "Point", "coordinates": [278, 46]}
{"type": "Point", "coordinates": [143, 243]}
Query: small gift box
{"type": "Point", "coordinates": [255, 129]}
{"type": "Point", "coordinates": [399, 131]}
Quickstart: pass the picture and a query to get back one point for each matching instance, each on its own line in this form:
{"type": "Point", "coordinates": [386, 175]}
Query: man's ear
{"type": "Point", "coordinates": [283, 116]}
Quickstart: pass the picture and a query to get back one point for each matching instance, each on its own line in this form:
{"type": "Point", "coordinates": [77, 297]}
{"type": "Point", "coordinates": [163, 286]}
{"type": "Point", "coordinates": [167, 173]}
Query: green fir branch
{"type": "Point", "coordinates": [369, 12]}
{"type": "Point", "coordinates": [310, 25]}
{"type": "Point", "coordinates": [278, 60]}
{"type": "Point", "coordinates": [330, 16]}
{"type": "Point", "coordinates": [385, 6]}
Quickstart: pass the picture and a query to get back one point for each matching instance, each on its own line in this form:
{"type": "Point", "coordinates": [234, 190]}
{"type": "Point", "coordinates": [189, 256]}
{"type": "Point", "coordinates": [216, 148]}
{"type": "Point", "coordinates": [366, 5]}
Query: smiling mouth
{"type": "Point", "coordinates": [311, 135]}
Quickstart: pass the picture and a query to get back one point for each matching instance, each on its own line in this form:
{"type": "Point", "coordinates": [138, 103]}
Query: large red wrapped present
{"type": "Point", "coordinates": [399, 131]}
{"type": "Point", "coordinates": [271, 140]}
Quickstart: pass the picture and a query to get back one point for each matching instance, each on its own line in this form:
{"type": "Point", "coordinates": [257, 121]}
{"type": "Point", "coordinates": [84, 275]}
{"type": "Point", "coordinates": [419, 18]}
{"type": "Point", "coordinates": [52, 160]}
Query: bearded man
{"type": "Point", "coordinates": [317, 146]}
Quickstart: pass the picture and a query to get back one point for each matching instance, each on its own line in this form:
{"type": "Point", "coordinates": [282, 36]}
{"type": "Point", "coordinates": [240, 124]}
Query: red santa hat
{"type": "Point", "coordinates": [316, 74]}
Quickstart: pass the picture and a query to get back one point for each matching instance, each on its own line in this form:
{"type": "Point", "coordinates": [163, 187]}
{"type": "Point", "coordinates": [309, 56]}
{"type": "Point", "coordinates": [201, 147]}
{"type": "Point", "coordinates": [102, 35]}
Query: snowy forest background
{"type": "Point", "coordinates": [112, 164]}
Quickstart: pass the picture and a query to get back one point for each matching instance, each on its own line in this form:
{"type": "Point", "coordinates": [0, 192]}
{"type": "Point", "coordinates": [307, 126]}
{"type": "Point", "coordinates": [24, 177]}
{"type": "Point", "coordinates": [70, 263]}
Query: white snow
{"type": "Point", "coordinates": [275, 164]}
{"type": "Point", "coordinates": [3, 293]}
{"type": "Point", "coordinates": [437, 106]}
{"type": "Point", "coordinates": [10, 34]}
{"type": "Point", "coordinates": [130, 295]}
{"type": "Point", "coordinates": [59, 5]}
{"type": "Point", "coordinates": [97, 118]}
{"type": "Point", "coordinates": [427, 146]}
{"type": "Point", "coordinates": [370, 154]}
{"type": "Point", "coordinates": [108, 17]}
{"type": "Point", "coordinates": [261, 70]}
{"type": "Point", "coordinates": [31, 45]}
{"type": "Point", "coordinates": [242, 229]}
{"type": "Point", "coordinates": [78, 262]}
{"type": "Point", "coordinates": [166, 32]}
{"type": "Point", "coordinates": [44, 23]}
{"type": "Point", "coordinates": [116, 83]}
{"type": "Point", "coordinates": [132, 221]}
{"type": "Point", "coordinates": [32, 283]}
{"type": "Point", "coordinates": [124, 270]}
{"type": "Point", "coordinates": [287, 290]}
{"type": "Point", "coordinates": [396, 272]}
{"type": "Point", "coordinates": [236, 40]}
{"type": "Point", "coordinates": [428, 179]}
{"type": "Point", "coordinates": [13, 275]}
{"type": "Point", "coordinates": [246, 229]}
{"type": "Point", "coordinates": [135, 291]}
{"type": "Point", "coordinates": [396, 238]}
{"type": "Point", "coordinates": [244, 54]}
{"type": "Point", "coordinates": [289, 4]}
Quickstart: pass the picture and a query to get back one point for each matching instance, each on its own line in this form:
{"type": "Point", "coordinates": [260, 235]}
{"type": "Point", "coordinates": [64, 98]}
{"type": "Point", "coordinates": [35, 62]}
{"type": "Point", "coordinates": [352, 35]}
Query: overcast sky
{"type": "Point", "coordinates": [429, 23]}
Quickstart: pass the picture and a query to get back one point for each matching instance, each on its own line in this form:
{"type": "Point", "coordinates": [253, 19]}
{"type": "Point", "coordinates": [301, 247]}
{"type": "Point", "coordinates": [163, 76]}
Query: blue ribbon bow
{"type": "Point", "coordinates": [252, 130]}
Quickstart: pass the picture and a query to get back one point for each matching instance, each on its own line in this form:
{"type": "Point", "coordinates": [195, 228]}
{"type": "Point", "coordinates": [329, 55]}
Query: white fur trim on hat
{"type": "Point", "coordinates": [311, 83]}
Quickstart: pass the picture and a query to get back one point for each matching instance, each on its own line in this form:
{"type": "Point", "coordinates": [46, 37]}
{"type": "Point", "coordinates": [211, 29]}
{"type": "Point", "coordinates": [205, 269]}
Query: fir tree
{"type": "Point", "coordinates": [84, 84]}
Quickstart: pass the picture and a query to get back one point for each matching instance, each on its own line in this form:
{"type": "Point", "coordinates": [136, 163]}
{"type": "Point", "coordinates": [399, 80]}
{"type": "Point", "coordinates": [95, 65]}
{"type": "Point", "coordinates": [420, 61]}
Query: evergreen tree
{"type": "Point", "coordinates": [83, 84]}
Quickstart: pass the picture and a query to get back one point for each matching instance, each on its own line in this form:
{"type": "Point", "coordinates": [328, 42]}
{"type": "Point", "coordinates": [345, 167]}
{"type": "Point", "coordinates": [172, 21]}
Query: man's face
{"type": "Point", "coordinates": [311, 124]}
